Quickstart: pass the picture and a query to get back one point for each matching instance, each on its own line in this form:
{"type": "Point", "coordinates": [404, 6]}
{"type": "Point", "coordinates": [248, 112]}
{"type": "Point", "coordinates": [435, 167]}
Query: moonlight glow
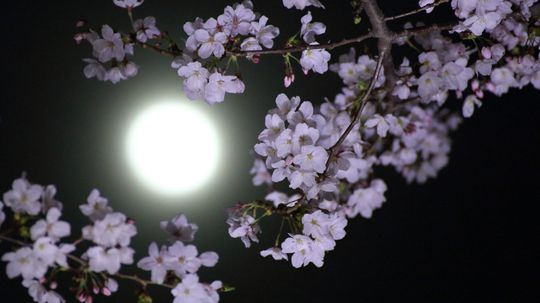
{"type": "Point", "coordinates": [173, 148]}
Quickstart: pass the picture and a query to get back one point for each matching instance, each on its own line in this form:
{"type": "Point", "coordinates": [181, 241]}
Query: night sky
{"type": "Point", "coordinates": [472, 234]}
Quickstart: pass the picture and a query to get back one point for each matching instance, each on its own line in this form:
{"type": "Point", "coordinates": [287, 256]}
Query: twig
{"type": "Point", "coordinates": [297, 49]}
{"type": "Point", "coordinates": [332, 150]}
{"type": "Point", "coordinates": [425, 8]}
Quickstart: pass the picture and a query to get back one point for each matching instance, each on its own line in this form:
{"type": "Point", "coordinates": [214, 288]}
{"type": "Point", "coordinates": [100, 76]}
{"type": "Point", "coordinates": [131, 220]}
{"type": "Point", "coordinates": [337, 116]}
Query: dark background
{"type": "Point", "coordinates": [470, 235]}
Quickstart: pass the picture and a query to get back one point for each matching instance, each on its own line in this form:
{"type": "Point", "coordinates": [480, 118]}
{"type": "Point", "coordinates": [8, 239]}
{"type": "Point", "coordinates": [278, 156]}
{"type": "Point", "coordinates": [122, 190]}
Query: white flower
{"type": "Point", "coordinates": [236, 21]}
{"type": "Point", "coordinates": [312, 158]}
{"type": "Point", "coordinates": [303, 135]}
{"type": "Point", "coordinates": [311, 29]}
{"type": "Point", "coordinates": [146, 29]}
{"type": "Point", "coordinates": [265, 34]}
{"type": "Point", "coordinates": [315, 224]}
{"type": "Point", "coordinates": [364, 200]}
{"type": "Point", "coordinates": [275, 252]}
{"type": "Point", "coordinates": [468, 106]}
{"type": "Point", "coordinates": [110, 46]}
{"type": "Point", "coordinates": [104, 260]}
{"type": "Point", "coordinates": [196, 79]}
{"type": "Point", "coordinates": [97, 206]}
{"type": "Point", "coordinates": [300, 177]}
{"type": "Point", "coordinates": [501, 78]}
{"type": "Point", "coordinates": [179, 229]}
{"type": "Point", "coordinates": [38, 292]}
{"type": "Point", "coordinates": [301, 4]}
{"type": "Point", "coordinates": [94, 68]}
{"type": "Point", "coordinates": [381, 124]}
{"type": "Point", "coordinates": [304, 251]}
{"type": "Point", "coordinates": [113, 231]}
{"type": "Point", "coordinates": [211, 44]}
{"type": "Point", "coordinates": [315, 59]}
{"type": "Point", "coordinates": [45, 250]}
{"type": "Point", "coordinates": [184, 259]}
{"type": "Point", "coordinates": [51, 227]}
{"type": "Point", "coordinates": [189, 290]}
{"type": "Point", "coordinates": [129, 4]}
{"type": "Point", "coordinates": [250, 44]}
{"type": "Point", "coordinates": [219, 84]}
{"type": "Point", "coordinates": [158, 261]}
{"type": "Point", "coordinates": [23, 262]}
{"type": "Point", "coordinates": [480, 22]}
{"type": "Point", "coordinates": [423, 3]}
{"type": "Point", "coordinates": [278, 198]}
{"type": "Point", "coordinates": [274, 126]}
{"type": "Point", "coordinates": [48, 199]}
{"type": "Point", "coordinates": [429, 85]}
{"type": "Point", "coordinates": [24, 197]}
{"type": "Point", "coordinates": [244, 228]}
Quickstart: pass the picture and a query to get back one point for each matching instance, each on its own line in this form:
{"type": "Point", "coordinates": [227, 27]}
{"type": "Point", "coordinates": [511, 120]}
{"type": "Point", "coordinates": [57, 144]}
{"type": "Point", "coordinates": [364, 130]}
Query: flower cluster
{"type": "Point", "coordinates": [392, 111]}
{"type": "Point", "coordinates": [43, 254]}
{"type": "Point", "coordinates": [179, 260]}
{"type": "Point", "coordinates": [238, 27]}
{"type": "Point", "coordinates": [312, 58]}
{"type": "Point", "coordinates": [33, 261]}
{"type": "Point", "coordinates": [109, 48]}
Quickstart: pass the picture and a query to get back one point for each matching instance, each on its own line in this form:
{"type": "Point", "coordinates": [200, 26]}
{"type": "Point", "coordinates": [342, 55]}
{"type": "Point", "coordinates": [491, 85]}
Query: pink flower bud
{"type": "Point", "coordinates": [53, 285]}
{"type": "Point", "coordinates": [79, 38]}
{"type": "Point", "coordinates": [95, 290]}
{"type": "Point", "coordinates": [80, 23]}
{"type": "Point", "coordinates": [479, 94]}
{"type": "Point", "coordinates": [106, 291]}
{"type": "Point", "coordinates": [89, 299]}
{"type": "Point", "coordinates": [475, 85]}
{"type": "Point", "coordinates": [289, 79]}
{"type": "Point", "coordinates": [486, 52]}
{"type": "Point", "coordinates": [81, 297]}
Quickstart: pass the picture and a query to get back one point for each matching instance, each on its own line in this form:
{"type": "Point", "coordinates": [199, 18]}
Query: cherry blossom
{"type": "Point", "coordinates": [129, 4]}
{"type": "Point", "coordinates": [24, 197]}
{"type": "Point", "coordinates": [301, 4]}
{"type": "Point", "coordinates": [146, 29]}
{"type": "Point", "coordinates": [51, 227]}
{"type": "Point", "coordinates": [179, 229]}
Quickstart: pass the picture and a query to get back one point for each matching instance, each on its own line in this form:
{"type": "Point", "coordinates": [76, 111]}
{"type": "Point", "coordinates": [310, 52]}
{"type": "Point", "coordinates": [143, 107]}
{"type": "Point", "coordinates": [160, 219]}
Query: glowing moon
{"type": "Point", "coordinates": [173, 148]}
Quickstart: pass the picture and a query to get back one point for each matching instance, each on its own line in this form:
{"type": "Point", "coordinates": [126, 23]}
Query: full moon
{"type": "Point", "coordinates": [173, 148]}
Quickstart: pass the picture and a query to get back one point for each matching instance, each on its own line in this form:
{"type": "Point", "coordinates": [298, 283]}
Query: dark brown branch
{"type": "Point", "coordinates": [160, 50]}
{"type": "Point", "coordinates": [357, 113]}
{"type": "Point", "coordinates": [416, 11]}
{"type": "Point", "coordinates": [297, 49]}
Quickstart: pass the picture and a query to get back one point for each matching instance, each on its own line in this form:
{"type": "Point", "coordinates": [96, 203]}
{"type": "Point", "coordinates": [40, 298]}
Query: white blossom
{"type": "Point", "coordinates": [179, 229]}
{"type": "Point", "coordinates": [158, 262]}
{"type": "Point", "coordinates": [315, 59]}
{"type": "Point", "coordinates": [97, 206]}
{"type": "Point", "coordinates": [51, 227]}
{"type": "Point", "coordinates": [301, 4]}
{"type": "Point", "coordinates": [189, 290]}
{"type": "Point", "coordinates": [24, 197]}
{"type": "Point", "coordinates": [110, 46]}
{"type": "Point", "coordinates": [275, 252]}
{"type": "Point", "coordinates": [211, 44]}
{"type": "Point", "coordinates": [129, 4]}
{"type": "Point", "coordinates": [146, 29]}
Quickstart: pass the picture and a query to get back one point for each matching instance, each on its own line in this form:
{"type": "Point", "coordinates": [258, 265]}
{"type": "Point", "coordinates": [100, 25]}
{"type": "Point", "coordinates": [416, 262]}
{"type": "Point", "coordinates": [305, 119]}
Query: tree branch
{"type": "Point", "coordinates": [425, 8]}
{"type": "Point", "coordinates": [362, 102]}
{"type": "Point", "coordinates": [297, 49]}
